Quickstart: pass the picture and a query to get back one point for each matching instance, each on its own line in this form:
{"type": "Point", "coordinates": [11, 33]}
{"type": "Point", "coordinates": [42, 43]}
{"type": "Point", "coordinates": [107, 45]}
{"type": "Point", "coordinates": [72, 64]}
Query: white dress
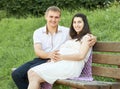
{"type": "Point", "coordinates": [64, 69]}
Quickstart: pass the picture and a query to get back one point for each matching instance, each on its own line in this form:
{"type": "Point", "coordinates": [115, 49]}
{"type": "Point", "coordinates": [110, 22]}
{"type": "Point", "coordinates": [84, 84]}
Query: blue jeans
{"type": "Point", "coordinates": [20, 74]}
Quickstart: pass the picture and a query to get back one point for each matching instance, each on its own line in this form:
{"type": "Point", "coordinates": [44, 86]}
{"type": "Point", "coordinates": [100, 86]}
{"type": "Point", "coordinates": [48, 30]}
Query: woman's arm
{"type": "Point", "coordinates": [78, 56]}
{"type": "Point", "coordinates": [84, 48]}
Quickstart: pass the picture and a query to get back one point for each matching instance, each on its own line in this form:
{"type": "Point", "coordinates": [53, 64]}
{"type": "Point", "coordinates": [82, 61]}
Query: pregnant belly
{"type": "Point", "coordinates": [68, 51]}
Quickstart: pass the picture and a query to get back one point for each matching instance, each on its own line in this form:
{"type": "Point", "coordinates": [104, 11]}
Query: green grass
{"type": "Point", "coordinates": [16, 44]}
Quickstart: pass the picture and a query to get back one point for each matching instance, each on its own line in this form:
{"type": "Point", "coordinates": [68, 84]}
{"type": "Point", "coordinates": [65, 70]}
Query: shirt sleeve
{"type": "Point", "coordinates": [37, 37]}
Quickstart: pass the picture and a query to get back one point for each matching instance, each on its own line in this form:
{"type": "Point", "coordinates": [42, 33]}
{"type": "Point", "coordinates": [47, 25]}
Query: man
{"type": "Point", "coordinates": [47, 41]}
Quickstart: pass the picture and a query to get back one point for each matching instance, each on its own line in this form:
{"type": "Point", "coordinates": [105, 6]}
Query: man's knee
{"type": "Point", "coordinates": [15, 74]}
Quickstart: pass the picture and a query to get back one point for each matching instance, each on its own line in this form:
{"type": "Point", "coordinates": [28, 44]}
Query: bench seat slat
{"type": "Point", "coordinates": [107, 47]}
{"type": "Point", "coordinates": [85, 84]}
{"type": "Point", "coordinates": [70, 83]}
{"type": "Point", "coordinates": [90, 85]}
{"type": "Point", "coordinates": [106, 59]}
{"type": "Point", "coordinates": [106, 72]}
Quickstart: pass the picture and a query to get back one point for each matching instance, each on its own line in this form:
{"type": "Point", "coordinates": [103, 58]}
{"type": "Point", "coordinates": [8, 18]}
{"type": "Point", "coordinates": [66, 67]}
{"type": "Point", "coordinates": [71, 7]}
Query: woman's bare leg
{"type": "Point", "coordinates": [34, 80]}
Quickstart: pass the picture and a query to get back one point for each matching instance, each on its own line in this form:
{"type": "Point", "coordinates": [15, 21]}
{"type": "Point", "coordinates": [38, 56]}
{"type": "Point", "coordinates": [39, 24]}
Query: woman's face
{"type": "Point", "coordinates": [78, 24]}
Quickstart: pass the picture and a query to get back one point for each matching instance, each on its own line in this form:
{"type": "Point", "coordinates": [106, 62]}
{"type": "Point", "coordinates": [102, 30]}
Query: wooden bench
{"type": "Point", "coordinates": [106, 63]}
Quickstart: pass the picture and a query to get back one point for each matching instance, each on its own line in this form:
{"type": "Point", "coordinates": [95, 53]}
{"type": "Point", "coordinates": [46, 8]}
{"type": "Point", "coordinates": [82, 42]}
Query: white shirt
{"type": "Point", "coordinates": [51, 42]}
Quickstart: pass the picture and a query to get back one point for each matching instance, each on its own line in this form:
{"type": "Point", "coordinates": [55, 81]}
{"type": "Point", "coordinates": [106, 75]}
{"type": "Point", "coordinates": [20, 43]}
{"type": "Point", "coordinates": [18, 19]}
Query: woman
{"type": "Point", "coordinates": [69, 61]}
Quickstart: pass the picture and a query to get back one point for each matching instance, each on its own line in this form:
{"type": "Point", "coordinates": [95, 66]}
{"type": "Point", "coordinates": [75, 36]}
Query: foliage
{"type": "Point", "coordinates": [38, 7]}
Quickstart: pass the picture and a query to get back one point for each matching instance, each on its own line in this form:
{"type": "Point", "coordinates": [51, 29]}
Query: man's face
{"type": "Point", "coordinates": [52, 18]}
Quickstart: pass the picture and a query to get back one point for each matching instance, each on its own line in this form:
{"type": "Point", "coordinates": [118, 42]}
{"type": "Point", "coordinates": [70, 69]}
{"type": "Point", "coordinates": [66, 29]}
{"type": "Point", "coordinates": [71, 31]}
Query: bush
{"type": "Point", "coordinates": [38, 7]}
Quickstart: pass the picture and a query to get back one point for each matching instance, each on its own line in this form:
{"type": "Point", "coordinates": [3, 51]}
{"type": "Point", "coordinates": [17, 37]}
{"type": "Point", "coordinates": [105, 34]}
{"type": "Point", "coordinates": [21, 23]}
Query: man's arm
{"type": "Point", "coordinates": [41, 53]}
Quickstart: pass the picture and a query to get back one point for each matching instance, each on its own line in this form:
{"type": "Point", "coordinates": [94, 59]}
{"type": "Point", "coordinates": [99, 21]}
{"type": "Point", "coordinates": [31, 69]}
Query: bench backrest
{"type": "Point", "coordinates": [106, 53]}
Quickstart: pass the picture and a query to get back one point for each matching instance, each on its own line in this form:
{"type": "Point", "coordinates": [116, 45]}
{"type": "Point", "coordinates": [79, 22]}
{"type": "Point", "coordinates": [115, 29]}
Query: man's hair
{"type": "Point", "coordinates": [53, 8]}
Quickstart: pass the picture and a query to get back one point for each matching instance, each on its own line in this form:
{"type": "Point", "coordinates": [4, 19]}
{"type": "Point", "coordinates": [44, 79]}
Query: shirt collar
{"type": "Point", "coordinates": [46, 31]}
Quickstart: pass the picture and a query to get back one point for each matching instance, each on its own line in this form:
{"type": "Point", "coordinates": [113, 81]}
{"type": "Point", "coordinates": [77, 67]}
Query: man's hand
{"type": "Point", "coordinates": [52, 55]}
{"type": "Point", "coordinates": [57, 57]}
{"type": "Point", "coordinates": [92, 40]}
